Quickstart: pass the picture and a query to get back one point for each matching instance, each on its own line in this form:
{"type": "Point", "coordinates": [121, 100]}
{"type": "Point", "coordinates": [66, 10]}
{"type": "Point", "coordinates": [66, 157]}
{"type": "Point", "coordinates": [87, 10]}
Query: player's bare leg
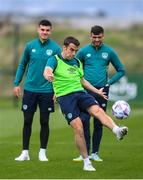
{"type": "Point", "coordinates": [77, 126]}
{"type": "Point", "coordinates": [106, 120]}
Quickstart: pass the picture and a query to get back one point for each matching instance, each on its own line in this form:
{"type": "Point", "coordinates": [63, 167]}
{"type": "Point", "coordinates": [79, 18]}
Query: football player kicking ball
{"type": "Point", "coordinates": [66, 73]}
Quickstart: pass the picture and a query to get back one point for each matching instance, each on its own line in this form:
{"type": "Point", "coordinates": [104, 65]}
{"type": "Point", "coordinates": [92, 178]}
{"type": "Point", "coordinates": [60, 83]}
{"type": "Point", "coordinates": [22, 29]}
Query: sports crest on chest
{"type": "Point", "coordinates": [104, 55]}
{"type": "Point", "coordinates": [49, 52]}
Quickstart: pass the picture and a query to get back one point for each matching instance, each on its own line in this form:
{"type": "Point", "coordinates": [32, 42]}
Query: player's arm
{"type": "Point", "coordinates": [50, 67]}
{"type": "Point", "coordinates": [89, 87]}
{"type": "Point", "coordinates": [119, 67]}
{"type": "Point", "coordinates": [48, 74]}
{"type": "Point", "coordinates": [17, 91]}
{"type": "Point", "coordinates": [20, 72]}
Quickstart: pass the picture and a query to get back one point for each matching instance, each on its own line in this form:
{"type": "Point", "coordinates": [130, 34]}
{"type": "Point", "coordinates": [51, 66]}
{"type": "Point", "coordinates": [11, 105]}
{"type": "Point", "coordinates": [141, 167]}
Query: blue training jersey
{"type": "Point", "coordinates": [96, 63]}
{"type": "Point", "coordinates": [33, 62]}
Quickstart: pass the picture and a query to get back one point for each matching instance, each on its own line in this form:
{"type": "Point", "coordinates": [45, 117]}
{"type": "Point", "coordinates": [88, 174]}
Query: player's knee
{"type": "Point", "coordinates": [28, 118]}
{"type": "Point", "coordinates": [94, 110]}
{"type": "Point", "coordinates": [100, 110]}
{"type": "Point", "coordinates": [44, 118]}
{"type": "Point", "coordinates": [44, 121]}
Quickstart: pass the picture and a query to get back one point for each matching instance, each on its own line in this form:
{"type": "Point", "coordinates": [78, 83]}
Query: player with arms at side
{"type": "Point", "coordinates": [66, 73]}
{"type": "Point", "coordinates": [96, 58]}
{"type": "Point", "coordinates": [37, 90]}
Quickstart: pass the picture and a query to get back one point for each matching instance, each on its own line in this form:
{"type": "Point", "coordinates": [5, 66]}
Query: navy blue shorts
{"type": "Point", "coordinates": [102, 102]}
{"type": "Point", "coordinates": [32, 99]}
{"type": "Point", "coordinates": [75, 103]}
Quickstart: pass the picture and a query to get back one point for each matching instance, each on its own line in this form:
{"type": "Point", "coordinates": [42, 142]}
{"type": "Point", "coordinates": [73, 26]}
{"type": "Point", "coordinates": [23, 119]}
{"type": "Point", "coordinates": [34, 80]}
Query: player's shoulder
{"type": "Point", "coordinates": [32, 42]}
{"type": "Point", "coordinates": [86, 47]}
{"type": "Point", "coordinates": [52, 62]}
{"type": "Point", "coordinates": [54, 57]}
{"type": "Point", "coordinates": [51, 41]}
{"type": "Point", "coordinates": [108, 48]}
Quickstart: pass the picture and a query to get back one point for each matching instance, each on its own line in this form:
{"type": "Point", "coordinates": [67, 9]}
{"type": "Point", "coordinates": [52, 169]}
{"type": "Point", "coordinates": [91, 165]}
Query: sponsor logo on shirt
{"type": "Point", "coordinates": [33, 50]}
{"type": "Point", "coordinates": [71, 70]}
{"type": "Point", "coordinates": [104, 55]}
{"type": "Point", "coordinates": [49, 52]}
{"type": "Point", "coordinates": [88, 55]}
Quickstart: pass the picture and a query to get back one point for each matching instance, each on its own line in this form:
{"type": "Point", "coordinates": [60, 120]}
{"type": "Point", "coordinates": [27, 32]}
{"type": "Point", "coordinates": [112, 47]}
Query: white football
{"type": "Point", "coordinates": [121, 109]}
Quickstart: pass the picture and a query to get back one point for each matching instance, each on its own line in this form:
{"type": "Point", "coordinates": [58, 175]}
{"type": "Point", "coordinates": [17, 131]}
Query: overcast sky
{"type": "Point", "coordinates": [117, 8]}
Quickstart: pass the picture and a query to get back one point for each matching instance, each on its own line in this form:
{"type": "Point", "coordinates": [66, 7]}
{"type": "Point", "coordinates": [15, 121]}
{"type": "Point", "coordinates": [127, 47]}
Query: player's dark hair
{"type": "Point", "coordinates": [97, 30]}
{"type": "Point", "coordinates": [45, 22]}
{"type": "Point", "coordinates": [72, 40]}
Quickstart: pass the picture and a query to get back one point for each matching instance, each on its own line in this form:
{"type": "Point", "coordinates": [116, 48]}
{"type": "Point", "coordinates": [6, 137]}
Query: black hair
{"type": "Point", "coordinates": [45, 22]}
{"type": "Point", "coordinates": [71, 39]}
{"type": "Point", "coordinates": [97, 30]}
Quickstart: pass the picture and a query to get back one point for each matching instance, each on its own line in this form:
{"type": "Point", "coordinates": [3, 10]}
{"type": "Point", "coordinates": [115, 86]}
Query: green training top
{"type": "Point", "coordinates": [96, 62]}
{"type": "Point", "coordinates": [67, 78]}
{"type": "Point", "coordinates": [33, 62]}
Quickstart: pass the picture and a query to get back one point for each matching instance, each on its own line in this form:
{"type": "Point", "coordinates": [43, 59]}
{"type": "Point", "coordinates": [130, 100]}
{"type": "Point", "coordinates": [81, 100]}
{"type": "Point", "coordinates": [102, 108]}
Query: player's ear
{"type": "Point", "coordinates": [64, 47]}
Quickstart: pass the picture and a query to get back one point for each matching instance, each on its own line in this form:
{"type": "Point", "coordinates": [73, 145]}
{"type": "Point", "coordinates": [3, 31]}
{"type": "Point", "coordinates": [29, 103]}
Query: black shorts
{"type": "Point", "coordinates": [32, 99]}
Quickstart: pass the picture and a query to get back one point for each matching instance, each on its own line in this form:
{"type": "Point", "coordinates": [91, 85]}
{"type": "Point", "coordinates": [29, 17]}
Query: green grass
{"type": "Point", "coordinates": [121, 159]}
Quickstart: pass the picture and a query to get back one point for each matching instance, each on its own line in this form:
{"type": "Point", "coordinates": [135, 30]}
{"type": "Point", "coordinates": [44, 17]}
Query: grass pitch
{"type": "Point", "coordinates": [122, 160]}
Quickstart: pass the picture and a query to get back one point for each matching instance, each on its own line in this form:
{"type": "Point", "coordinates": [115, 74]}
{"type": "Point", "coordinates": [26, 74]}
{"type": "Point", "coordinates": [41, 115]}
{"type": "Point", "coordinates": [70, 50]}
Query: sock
{"type": "Point", "coordinates": [86, 161]}
{"type": "Point", "coordinates": [26, 152]}
{"type": "Point", "coordinates": [115, 129]}
{"type": "Point", "coordinates": [42, 151]}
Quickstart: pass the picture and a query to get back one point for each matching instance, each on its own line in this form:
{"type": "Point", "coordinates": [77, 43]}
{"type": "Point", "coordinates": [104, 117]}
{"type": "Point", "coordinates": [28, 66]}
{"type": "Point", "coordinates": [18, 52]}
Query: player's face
{"type": "Point", "coordinates": [44, 32]}
{"type": "Point", "coordinates": [70, 51]}
{"type": "Point", "coordinates": [97, 39]}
